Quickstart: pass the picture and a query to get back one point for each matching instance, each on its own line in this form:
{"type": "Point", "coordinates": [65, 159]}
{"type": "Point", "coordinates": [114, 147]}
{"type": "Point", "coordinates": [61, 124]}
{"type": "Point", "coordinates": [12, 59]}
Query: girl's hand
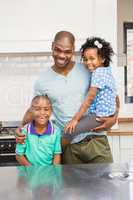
{"type": "Point", "coordinates": [107, 123]}
{"type": "Point", "coordinates": [70, 126]}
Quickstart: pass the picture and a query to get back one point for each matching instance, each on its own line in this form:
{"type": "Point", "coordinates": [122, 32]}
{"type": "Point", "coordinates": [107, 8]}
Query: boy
{"type": "Point", "coordinates": [42, 145]}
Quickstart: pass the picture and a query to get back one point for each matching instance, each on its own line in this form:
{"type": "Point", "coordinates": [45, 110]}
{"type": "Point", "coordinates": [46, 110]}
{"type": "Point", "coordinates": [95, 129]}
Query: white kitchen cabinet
{"type": "Point", "coordinates": [29, 26]}
{"type": "Point", "coordinates": [115, 147]}
{"type": "Point", "coordinates": [122, 148]}
{"type": "Point", "coordinates": [126, 148]}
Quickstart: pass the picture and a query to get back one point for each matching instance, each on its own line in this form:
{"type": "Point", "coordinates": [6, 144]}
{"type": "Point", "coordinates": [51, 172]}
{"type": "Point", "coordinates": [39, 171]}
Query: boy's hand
{"type": "Point", "coordinates": [107, 123]}
{"type": "Point", "coordinates": [20, 138]}
{"type": "Point", "coordinates": [70, 126]}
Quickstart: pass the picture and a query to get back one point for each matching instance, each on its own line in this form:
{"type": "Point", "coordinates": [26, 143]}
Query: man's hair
{"type": "Point", "coordinates": [64, 34]}
{"type": "Point", "coordinates": [103, 47]}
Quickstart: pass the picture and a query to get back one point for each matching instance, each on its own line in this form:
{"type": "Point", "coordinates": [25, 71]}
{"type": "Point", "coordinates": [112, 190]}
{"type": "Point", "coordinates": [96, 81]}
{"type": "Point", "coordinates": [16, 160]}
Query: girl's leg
{"type": "Point", "coordinates": [87, 123]}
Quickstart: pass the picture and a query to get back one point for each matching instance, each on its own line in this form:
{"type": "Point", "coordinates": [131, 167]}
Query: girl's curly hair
{"type": "Point", "coordinates": [104, 48]}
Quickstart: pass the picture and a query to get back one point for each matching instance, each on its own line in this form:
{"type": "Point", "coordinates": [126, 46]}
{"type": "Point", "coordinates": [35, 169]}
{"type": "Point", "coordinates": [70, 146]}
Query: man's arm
{"type": "Point", "coordinates": [117, 105]}
{"type": "Point", "coordinates": [108, 122]}
{"type": "Point", "coordinates": [28, 115]}
{"type": "Point", "coordinates": [26, 119]}
{"type": "Point", "coordinates": [22, 160]}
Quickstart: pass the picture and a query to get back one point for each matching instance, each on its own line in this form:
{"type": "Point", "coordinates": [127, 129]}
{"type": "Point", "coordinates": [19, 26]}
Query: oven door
{"type": "Point", "coordinates": [7, 152]}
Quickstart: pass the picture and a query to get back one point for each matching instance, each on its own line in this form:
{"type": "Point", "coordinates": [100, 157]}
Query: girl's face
{"type": "Point", "coordinates": [92, 60]}
{"type": "Point", "coordinates": [41, 110]}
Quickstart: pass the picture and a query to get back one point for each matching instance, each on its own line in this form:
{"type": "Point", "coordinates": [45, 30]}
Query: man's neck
{"type": "Point", "coordinates": [64, 70]}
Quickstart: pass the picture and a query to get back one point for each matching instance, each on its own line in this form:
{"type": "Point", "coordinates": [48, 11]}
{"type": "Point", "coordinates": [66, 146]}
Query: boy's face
{"type": "Point", "coordinates": [41, 110]}
{"type": "Point", "coordinates": [92, 60]}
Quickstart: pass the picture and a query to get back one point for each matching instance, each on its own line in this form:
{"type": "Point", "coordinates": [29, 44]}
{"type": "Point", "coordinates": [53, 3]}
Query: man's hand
{"type": "Point", "coordinates": [20, 138]}
{"type": "Point", "coordinates": [107, 123]}
{"type": "Point", "coordinates": [28, 117]}
{"type": "Point", "coordinates": [70, 126]}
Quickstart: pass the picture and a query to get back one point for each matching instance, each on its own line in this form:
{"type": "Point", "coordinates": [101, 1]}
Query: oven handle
{"type": "Point", "coordinates": [7, 154]}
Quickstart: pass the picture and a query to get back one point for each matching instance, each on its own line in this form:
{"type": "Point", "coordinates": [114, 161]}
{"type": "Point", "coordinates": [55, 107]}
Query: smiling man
{"type": "Point", "coordinates": [66, 84]}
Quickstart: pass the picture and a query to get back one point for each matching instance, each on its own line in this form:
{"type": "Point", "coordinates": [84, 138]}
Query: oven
{"type": "Point", "coordinates": [8, 143]}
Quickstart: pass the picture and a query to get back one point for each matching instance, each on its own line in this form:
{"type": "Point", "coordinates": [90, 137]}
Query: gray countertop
{"type": "Point", "coordinates": [67, 182]}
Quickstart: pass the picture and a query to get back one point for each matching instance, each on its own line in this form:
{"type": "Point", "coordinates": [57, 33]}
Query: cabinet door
{"type": "Point", "coordinates": [126, 148]}
{"type": "Point", "coordinates": [29, 26]}
{"type": "Point", "coordinates": [126, 142]}
{"type": "Point", "coordinates": [126, 155]}
{"type": "Point", "coordinates": [115, 148]}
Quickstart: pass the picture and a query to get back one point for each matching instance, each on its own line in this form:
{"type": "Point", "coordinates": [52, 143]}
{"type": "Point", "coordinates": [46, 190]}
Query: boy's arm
{"type": "Point", "coordinates": [70, 126]}
{"type": "Point", "coordinates": [22, 160]}
{"type": "Point", "coordinates": [108, 122]}
{"type": "Point", "coordinates": [57, 148]}
{"type": "Point", "coordinates": [57, 159]}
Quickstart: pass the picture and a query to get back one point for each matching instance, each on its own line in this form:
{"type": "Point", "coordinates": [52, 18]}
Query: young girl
{"type": "Point", "coordinates": [101, 98]}
{"type": "Point", "coordinates": [42, 145]}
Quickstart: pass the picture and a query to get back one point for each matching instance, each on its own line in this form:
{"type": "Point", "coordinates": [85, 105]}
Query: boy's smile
{"type": "Point", "coordinates": [41, 110]}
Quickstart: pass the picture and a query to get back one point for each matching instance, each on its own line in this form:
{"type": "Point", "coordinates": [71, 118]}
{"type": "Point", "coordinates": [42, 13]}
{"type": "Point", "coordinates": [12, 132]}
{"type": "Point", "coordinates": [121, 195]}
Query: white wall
{"type": "Point", "coordinates": [30, 25]}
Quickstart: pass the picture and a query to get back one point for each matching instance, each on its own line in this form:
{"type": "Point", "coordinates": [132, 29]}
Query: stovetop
{"type": "Point", "coordinates": [7, 142]}
{"type": "Point", "coordinates": [7, 128]}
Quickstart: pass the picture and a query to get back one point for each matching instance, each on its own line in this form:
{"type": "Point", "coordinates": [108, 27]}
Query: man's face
{"type": "Point", "coordinates": [63, 50]}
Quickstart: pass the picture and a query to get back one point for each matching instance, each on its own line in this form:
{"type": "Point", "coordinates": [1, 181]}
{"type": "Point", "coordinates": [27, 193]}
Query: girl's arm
{"type": "Point", "coordinates": [22, 160]}
{"type": "Point", "coordinates": [57, 159]}
{"type": "Point", "coordinates": [70, 126]}
{"type": "Point", "coordinates": [90, 97]}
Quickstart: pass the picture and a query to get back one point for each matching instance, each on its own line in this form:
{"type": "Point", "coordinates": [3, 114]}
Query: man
{"type": "Point", "coordinates": [66, 83]}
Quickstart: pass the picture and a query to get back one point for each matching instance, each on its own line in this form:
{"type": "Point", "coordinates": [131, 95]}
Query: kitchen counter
{"type": "Point", "coordinates": [124, 128]}
{"type": "Point", "coordinates": [67, 182]}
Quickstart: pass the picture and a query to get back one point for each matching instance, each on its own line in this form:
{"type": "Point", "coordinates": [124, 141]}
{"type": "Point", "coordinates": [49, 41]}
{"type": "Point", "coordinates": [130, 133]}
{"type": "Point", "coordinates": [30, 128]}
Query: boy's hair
{"type": "Point", "coordinates": [36, 98]}
{"type": "Point", "coordinates": [104, 48]}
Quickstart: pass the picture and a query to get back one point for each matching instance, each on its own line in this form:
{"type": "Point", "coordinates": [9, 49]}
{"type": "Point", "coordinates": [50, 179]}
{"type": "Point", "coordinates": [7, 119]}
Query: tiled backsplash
{"type": "Point", "coordinates": [26, 63]}
{"type": "Point", "coordinates": [23, 64]}
{"type": "Point", "coordinates": [18, 73]}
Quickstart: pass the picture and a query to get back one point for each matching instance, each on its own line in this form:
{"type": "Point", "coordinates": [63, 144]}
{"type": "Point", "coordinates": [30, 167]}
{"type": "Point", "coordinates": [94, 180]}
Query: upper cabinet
{"type": "Point", "coordinates": [30, 25]}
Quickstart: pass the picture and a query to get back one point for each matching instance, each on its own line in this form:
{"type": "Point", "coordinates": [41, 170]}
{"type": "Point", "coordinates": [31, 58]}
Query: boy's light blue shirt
{"type": "Point", "coordinates": [67, 93]}
{"type": "Point", "coordinates": [40, 150]}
